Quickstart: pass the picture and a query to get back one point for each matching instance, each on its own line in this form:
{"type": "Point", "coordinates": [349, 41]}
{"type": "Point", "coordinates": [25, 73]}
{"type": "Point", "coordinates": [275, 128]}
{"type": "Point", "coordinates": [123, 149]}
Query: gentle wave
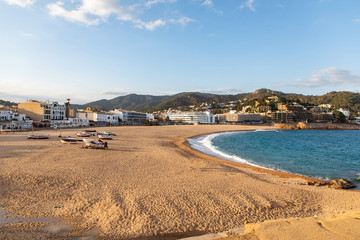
{"type": "Point", "coordinates": [204, 145]}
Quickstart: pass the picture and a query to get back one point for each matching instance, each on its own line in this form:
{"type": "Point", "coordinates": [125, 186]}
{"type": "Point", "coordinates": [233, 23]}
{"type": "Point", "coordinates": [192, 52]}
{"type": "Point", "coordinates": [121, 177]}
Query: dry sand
{"type": "Point", "coordinates": [145, 187]}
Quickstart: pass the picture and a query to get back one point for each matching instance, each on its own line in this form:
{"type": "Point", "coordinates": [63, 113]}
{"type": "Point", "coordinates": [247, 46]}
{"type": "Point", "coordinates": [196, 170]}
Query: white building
{"type": "Point", "coordinates": [193, 117]}
{"type": "Point", "coordinates": [130, 117]}
{"type": "Point", "coordinates": [119, 113]}
{"type": "Point", "coordinates": [112, 118]}
{"type": "Point", "coordinates": [93, 115]}
{"type": "Point", "coordinates": [150, 117]}
{"type": "Point", "coordinates": [11, 120]}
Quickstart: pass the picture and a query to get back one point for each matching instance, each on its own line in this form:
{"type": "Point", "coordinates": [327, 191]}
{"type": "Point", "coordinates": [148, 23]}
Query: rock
{"type": "Point", "coordinates": [302, 125]}
{"type": "Point", "coordinates": [341, 184]}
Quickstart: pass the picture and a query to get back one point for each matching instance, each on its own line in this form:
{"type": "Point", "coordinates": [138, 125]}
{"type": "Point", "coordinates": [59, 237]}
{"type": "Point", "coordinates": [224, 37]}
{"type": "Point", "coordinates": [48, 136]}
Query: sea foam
{"type": "Point", "coordinates": [204, 145]}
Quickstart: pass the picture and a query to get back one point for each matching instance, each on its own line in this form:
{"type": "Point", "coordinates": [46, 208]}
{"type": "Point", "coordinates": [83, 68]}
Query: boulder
{"type": "Point", "coordinates": [341, 184]}
{"type": "Point", "coordinates": [302, 125]}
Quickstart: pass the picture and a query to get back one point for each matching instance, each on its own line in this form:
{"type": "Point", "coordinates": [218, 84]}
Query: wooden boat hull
{"type": "Point", "coordinates": [105, 137]}
{"type": "Point", "coordinates": [36, 136]}
{"type": "Point", "coordinates": [83, 134]}
{"type": "Point", "coordinates": [95, 144]}
{"type": "Point", "coordinates": [71, 140]}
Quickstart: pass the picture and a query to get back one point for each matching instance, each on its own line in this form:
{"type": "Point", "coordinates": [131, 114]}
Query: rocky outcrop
{"type": "Point", "coordinates": [341, 184]}
{"type": "Point", "coordinates": [317, 126]}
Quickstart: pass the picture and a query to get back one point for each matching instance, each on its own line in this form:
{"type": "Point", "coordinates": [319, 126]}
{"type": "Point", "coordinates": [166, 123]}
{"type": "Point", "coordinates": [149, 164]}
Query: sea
{"type": "Point", "coordinates": [321, 154]}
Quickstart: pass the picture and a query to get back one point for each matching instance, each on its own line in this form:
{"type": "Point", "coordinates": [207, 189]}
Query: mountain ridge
{"type": "Point", "coordinates": [151, 103]}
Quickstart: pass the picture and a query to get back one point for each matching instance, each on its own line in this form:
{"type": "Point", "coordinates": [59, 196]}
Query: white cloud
{"type": "Point", "coordinates": [93, 12]}
{"type": "Point", "coordinates": [21, 3]}
{"type": "Point", "coordinates": [208, 3]}
{"type": "Point", "coordinates": [182, 21]}
{"type": "Point", "coordinates": [327, 77]}
{"type": "Point", "coordinates": [90, 12]}
{"type": "Point", "coordinates": [357, 20]}
{"type": "Point", "coordinates": [248, 4]}
{"type": "Point", "coordinates": [152, 2]}
{"type": "Point", "coordinates": [152, 25]}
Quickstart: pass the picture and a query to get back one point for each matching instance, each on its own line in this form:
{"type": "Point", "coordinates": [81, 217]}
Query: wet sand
{"type": "Point", "coordinates": [146, 186]}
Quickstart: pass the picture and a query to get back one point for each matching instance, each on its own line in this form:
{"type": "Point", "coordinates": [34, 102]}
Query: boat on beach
{"type": "Point", "coordinates": [71, 140]}
{"type": "Point", "coordinates": [95, 144]}
{"type": "Point", "coordinates": [105, 137]}
{"type": "Point", "coordinates": [84, 134]}
{"type": "Point", "coordinates": [38, 136]}
{"type": "Point", "coordinates": [6, 131]}
{"type": "Point", "coordinates": [109, 133]}
{"type": "Point", "coordinates": [93, 131]}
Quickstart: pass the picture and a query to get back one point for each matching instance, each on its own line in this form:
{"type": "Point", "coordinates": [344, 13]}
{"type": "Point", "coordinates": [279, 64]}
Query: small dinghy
{"type": "Point", "coordinates": [105, 137]}
{"type": "Point", "coordinates": [109, 133]}
{"type": "Point", "coordinates": [38, 136]}
{"type": "Point", "coordinates": [84, 134]}
{"type": "Point", "coordinates": [71, 140]}
{"type": "Point", "coordinates": [96, 144]}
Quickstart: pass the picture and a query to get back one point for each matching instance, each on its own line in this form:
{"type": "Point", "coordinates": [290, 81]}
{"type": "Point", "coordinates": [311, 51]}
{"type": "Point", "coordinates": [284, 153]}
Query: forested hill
{"type": "Point", "coordinates": [7, 103]}
{"type": "Point", "coordinates": [149, 103]}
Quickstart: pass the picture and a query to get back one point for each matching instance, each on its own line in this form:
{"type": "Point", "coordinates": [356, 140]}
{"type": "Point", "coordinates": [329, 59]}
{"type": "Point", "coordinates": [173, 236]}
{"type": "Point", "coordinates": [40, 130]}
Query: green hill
{"type": "Point", "coordinates": [149, 103]}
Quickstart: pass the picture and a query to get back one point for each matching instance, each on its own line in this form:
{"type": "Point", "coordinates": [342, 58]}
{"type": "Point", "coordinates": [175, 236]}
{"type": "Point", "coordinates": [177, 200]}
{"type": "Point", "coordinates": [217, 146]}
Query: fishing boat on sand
{"type": "Point", "coordinates": [38, 136]}
{"type": "Point", "coordinates": [71, 140]}
{"type": "Point", "coordinates": [84, 134]}
{"type": "Point", "coordinates": [94, 131]}
{"type": "Point", "coordinates": [109, 133]}
{"type": "Point", "coordinates": [96, 144]}
{"type": "Point", "coordinates": [105, 137]}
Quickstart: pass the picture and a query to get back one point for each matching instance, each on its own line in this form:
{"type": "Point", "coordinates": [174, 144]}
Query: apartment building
{"type": "Point", "coordinates": [193, 117]}
{"type": "Point", "coordinates": [42, 111]}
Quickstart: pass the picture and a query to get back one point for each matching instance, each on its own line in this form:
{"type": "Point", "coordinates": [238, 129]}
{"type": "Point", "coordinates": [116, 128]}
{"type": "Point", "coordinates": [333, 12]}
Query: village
{"type": "Point", "coordinates": [269, 110]}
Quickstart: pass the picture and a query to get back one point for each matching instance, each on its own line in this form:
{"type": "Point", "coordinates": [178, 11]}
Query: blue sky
{"type": "Point", "coordinates": [93, 49]}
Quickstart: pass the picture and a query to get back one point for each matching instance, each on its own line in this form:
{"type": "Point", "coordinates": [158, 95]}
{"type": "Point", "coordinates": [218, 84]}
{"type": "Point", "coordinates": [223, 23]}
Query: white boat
{"type": "Point", "coordinates": [38, 136]}
{"type": "Point", "coordinates": [96, 144]}
{"type": "Point", "coordinates": [109, 133]}
{"type": "Point", "coordinates": [84, 134]}
{"type": "Point", "coordinates": [105, 137]}
{"type": "Point", "coordinates": [5, 130]}
{"type": "Point", "coordinates": [71, 140]}
{"type": "Point", "coordinates": [92, 131]}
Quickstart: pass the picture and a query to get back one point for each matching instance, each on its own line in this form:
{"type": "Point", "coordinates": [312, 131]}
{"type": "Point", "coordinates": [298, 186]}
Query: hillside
{"type": "Point", "coordinates": [149, 103]}
{"type": "Point", "coordinates": [7, 103]}
{"type": "Point", "coordinates": [182, 101]}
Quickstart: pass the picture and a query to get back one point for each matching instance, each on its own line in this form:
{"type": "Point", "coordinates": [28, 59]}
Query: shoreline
{"type": "Point", "coordinates": [183, 144]}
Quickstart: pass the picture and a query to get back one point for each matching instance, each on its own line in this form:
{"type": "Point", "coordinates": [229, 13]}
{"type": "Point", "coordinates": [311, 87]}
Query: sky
{"type": "Point", "coordinates": [88, 50]}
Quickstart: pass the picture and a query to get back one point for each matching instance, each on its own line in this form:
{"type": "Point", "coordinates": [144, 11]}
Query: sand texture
{"type": "Point", "coordinates": [340, 226]}
{"type": "Point", "coordinates": [145, 187]}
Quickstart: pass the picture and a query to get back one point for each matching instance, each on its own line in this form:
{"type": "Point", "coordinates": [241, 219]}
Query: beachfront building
{"type": "Point", "coordinates": [130, 117]}
{"type": "Point", "coordinates": [192, 117]}
{"type": "Point", "coordinates": [135, 117]}
{"type": "Point", "coordinates": [96, 118]}
{"type": "Point", "coordinates": [112, 118]}
{"type": "Point", "coordinates": [42, 111]}
{"type": "Point", "coordinates": [150, 117]}
{"type": "Point", "coordinates": [243, 118]}
{"type": "Point", "coordinates": [281, 117]}
{"type": "Point", "coordinates": [10, 120]}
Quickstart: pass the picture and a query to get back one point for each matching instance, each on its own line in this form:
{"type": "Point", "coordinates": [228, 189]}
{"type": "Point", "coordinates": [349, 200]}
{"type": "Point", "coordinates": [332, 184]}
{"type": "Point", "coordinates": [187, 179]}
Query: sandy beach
{"type": "Point", "coordinates": [150, 185]}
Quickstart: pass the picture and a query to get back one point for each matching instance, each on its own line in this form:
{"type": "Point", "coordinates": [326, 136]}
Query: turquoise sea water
{"type": "Point", "coordinates": [321, 154]}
